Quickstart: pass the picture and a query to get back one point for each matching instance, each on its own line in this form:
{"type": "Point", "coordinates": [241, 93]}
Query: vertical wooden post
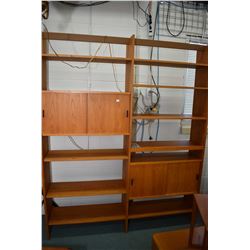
{"type": "Point", "coordinates": [205, 241]}
{"type": "Point", "coordinates": [129, 81]}
{"type": "Point", "coordinates": [200, 108]}
{"type": "Point", "coordinates": [192, 226]}
{"type": "Point", "coordinates": [46, 168]}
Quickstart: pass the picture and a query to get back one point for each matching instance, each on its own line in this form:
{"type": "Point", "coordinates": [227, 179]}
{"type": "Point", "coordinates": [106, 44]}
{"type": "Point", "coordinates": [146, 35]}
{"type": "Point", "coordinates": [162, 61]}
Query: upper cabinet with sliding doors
{"type": "Point", "coordinates": [64, 113]}
{"type": "Point", "coordinates": [108, 113]}
{"type": "Point", "coordinates": [83, 113]}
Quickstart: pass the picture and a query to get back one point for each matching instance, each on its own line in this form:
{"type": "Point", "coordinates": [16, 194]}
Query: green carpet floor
{"type": "Point", "coordinates": [110, 235]}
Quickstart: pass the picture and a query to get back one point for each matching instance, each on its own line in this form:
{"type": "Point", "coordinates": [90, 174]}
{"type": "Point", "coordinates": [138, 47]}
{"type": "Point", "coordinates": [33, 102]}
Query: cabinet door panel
{"type": "Point", "coordinates": [147, 180]}
{"type": "Point", "coordinates": [64, 113]}
{"type": "Point", "coordinates": [182, 177]}
{"type": "Point", "coordinates": [108, 113]}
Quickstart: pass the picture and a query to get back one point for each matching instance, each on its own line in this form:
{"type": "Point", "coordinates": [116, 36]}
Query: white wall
{"type": "Point", "coordinates": [114, 19]}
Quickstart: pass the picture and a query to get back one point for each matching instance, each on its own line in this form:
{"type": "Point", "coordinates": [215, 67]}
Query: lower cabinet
{"type": "Point", "coordinates": [147, 180]}
{"type": "Point", "coordinates": [150, 180]}
{"type": "Point", "coordinates": [182, 177]}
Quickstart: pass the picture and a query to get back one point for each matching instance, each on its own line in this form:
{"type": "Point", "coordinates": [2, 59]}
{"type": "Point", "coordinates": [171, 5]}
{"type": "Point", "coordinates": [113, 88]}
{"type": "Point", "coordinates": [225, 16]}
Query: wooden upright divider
{"type": "Point", "coordinates": [200, 107]}
{"type": "Point", "coordinates": [151, 169]}
{"type": "Point", "coordinates": [129, 81]}
{"type": "Point", "coordinates": [46, 166]}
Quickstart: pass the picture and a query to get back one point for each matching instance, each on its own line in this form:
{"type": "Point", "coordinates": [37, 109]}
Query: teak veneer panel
{"type": "Point", "coordinates": [142, 209]}
{"type": "Point", "coordinates": [166, 117]}
{"type": "Point", "coordinates": [64, 113]}
{"type": "Point", "coordinates": [164, 146]}
{"type": "Point", "coordinates": [155, 180]}
{"type": "Point", "coordinates": [78, 58]}
{"type": "Point", "coordinates": [87, 214]}
{"type": "Point", "coordinates": [87, 188]}
{"type": "Point", "coordinates": [147, 180]}
{"type": "Point", "coordinates": [182, 177]}
{"type": "Point", "coordinates": [108, 113]}
{"type": "Point", "coordinates": [81, 155]}
{"type": "Point", "coordinates": [85, 113]}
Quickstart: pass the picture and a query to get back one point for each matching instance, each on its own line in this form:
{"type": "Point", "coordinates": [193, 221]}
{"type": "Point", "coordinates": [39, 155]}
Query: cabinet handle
{"type": "Point", "coordinates": [197, 177]}
{"type": "Point", "coordinates": [126, 113]}
{"type": "Point", "coordinates": [132, 182]}
{"type": "Point", "coordinates": [43, 112]}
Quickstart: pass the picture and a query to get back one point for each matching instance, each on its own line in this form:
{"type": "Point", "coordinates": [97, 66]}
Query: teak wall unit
{"type": "Point", "coordinates": [150, 170]}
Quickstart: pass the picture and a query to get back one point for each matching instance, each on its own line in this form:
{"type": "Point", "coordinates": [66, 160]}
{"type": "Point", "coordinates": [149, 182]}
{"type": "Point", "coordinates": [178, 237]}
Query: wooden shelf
{"type": "Point", "coordinates": [173, 64]}
{"type": "Point", "coordinates": [119, 40]}
{"type": "Point", "coordinates": [78, 58]}
{"type": "Point", "coordinates": [86, 214]}
{"type": "Point", "coordinates": [155, 158]}
{"type": "Point", "coordinates": [166, 117]}
{"type": "Point", "coordinates": [85, 188]}
{"type": "Point", "coordinates": [143, 146]}
{"type": "Point", "coordinates": [141, 85]}
{"type": "Point", "coordinates": [84, 134]}
{"type": "Point", "coordinates": [142, 209]}
{"type": "Point", "coordinates": [77, 91]}
{"type": "Point", "coordinates": [84, 38]}
{"type": "Point", "coordinates": [168, 44]}
{"type": "Point", "coordinates": [82, 155]}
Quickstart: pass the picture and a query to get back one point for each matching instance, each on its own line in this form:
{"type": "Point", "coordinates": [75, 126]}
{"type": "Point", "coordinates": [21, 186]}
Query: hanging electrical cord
{"type": "Point", "coordinates": [149, 131]}
{"type": "Point", "coordinates": [157, 93]}
{"type": "Point", "coordinates": [45, 9]}
{"type": "Point", "coordinates": [153, 106]}
{"type": "Point", "coordinates": [142, 130]}
{"type": "Point", "coordinates": [88, 63]}
{"type": "Point", "coordinates": [137, 130]}
{"type": "Point", "coordinates": [114, 70]}
{"type": "Point", "coordinates": [83, 4]}
{"type": "Point", "coordinates": [139, 24]}
{"type": "Point", "coordinates": [167, 20]}
{"type": "Point", "coordinates": [151, 56]}
{"type": "Point", "coordinates": [144, 11]}
{"type": "Point", "coordinates": [143, 101]}
{"type": "Point", "coordinates": [75, 143]}
{"type": "Point", "coordinates": [72, 66]}
{"type": "Point", "coordinates": [158, 75]}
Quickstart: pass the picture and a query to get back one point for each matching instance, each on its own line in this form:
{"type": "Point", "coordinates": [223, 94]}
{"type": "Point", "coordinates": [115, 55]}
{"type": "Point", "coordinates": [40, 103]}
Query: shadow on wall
{"type": "Point", "coordinates": [66, 13]}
